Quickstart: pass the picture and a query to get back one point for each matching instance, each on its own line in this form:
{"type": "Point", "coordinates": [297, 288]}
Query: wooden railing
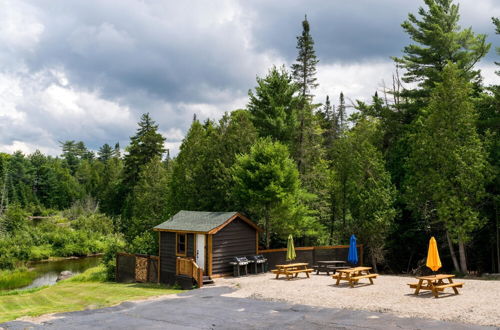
{"type": "Point", "coordinates": [188, 267]}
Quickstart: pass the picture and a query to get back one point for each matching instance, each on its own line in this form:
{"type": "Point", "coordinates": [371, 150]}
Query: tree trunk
{"type": "Point", "coordinates": [463, 259]}
{"type": "Point", "coordinates": [452, 253]}
{"type": "Point", "coordinates": [268, 238]}
{"type": "Point", "coordinates": [374, 262]}
{"type": "Point", "coordinates": [332, 220]}
{"type": "Point", "coordinates": [498, 239]}
{"type": "Point", "coordinates": [344, 183]}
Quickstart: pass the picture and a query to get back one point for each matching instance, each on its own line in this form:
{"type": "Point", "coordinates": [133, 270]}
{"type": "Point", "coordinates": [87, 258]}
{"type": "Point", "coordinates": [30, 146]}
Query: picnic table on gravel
{"type": "Point", "coordinates": [292, 270]}
{"type": "Point", "coordinates": [353, 275]}
{"type": "Point", "coordinates": [435, 283]}
{"type": "Point", "coordinates": [329, 266]}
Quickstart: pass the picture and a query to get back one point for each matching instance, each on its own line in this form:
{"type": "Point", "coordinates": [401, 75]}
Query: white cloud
{"type": "Point", "coordinates": [358, 81]}
{"type": "Point", "coordinates": [19, 26]}
{"type": "Point", "coordinates": [37, 112]}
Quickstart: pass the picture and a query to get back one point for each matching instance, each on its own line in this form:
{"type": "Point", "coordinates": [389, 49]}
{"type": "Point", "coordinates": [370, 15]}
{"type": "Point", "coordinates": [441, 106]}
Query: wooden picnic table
{"type": "Point", "coordinates": [292, 270]}
{"type": "Point", "coordinates": [435, 283]}
{"type": "Point", "coordinates": [353, 275]}
{"type": "Point", "coordinates": [329, 266]}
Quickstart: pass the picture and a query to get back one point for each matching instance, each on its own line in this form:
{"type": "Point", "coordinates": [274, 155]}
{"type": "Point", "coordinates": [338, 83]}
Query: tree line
{"type": "Point", "coordinates": [420, 159]}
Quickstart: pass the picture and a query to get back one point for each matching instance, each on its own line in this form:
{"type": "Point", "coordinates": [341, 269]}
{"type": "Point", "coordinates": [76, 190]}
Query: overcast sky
{"type": "Point", "coordinates": [86, 70]}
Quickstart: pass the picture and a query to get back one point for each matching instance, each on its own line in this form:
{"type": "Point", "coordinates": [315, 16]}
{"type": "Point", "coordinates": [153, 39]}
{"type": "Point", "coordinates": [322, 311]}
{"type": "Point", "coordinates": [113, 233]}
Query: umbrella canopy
{"type": "Point", "coordinates": [352, 257]}
{"type": "Point", "coordinates": [290, 249]}
{"type": "Point", "coordinates": [433, 261]}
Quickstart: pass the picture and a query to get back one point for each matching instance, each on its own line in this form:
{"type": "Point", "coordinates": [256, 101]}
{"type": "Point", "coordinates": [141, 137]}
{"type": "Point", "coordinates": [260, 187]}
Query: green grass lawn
{"type": "Point", "coordinates": [73, 296]}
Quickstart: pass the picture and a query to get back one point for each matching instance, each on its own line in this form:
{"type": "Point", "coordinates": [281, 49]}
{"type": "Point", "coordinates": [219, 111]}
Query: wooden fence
{"type": "Point", "coordinates": [140, 268]}
{"type": "Point", "coordinates": [311, 254]}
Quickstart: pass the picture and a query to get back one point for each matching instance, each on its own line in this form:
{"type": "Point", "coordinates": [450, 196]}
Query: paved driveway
{"type": "Point", "coordinates": [208, 308]}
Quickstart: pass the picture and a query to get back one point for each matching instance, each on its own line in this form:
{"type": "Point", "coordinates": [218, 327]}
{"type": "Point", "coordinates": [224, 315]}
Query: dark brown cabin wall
{"type": "Point", "coordinates": [167, 257]}
{"type": "Point", "coordinates": [235, 240]}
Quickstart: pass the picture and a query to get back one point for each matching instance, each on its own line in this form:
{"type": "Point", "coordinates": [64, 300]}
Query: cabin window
{"type": "Point", "coordinates": [181, 244]}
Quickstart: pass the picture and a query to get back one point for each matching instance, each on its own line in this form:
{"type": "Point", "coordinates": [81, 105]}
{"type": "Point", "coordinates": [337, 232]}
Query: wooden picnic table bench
{"type": "Point", "coordinates": [329, 266]}
{"type": "Point", "coordinates": [292, 270]}
{"type": "Point", "coordinates": [353, 275]}
{"type": "Point", "coordinates": [435, 284]}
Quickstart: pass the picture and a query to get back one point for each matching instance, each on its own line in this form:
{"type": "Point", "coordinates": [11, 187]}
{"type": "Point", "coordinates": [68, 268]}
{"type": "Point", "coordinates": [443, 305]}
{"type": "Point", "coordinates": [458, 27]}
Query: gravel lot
{"type": "Point", "coordinates": [477, 303]}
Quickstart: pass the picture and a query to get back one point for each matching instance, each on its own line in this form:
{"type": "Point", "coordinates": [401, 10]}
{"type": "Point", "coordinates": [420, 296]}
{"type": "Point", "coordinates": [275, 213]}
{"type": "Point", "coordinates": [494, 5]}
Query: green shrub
{"type": "Point", "coordinates": [41, 252]}
{"type": "Point", "coordinates": [146, 243]}
{"type": "Point", "coordinates": [115, 245]}
{"type": "Point", "coordinates": [94, 223]}
{"type": "Point", "coordinates": [14, 219]}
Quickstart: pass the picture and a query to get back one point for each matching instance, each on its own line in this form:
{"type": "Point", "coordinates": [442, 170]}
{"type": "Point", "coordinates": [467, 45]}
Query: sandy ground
{"type": "Point", "coordinates": [477, 303]}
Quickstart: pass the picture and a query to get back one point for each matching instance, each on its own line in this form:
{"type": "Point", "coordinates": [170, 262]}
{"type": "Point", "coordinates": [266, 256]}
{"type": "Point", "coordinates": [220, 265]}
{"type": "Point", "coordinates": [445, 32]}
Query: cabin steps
{"type": "Point", "coordinates": [207, 280]}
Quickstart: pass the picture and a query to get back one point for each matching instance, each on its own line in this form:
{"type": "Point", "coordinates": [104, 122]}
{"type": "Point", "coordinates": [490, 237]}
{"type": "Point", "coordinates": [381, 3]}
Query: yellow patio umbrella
{"type": "Point", "coordinates": [433, 261]}
{"type": "Point", "coordinates": [290, 249]}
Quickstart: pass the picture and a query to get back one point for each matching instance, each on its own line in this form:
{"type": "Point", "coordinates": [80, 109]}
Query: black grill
{"type": "Point", "coordinates": [257, 260]}
{"type": "Point", "coordinates": [237, 263]}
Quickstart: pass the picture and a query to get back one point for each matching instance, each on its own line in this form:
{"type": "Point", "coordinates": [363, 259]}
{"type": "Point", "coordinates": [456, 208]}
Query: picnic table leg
{"type": "Point", "coordinates": [434, 290]}
{"type": "Point", "coordinates": [278, 274]}
{"type": "Point", "coordinates": [453, 287]}
{"type": "Point", "coordinates": [338, 279]}
{"type": "Point", "coordinates": [419, 285]}
{"type": "Point", "coordinates": [349, 277]}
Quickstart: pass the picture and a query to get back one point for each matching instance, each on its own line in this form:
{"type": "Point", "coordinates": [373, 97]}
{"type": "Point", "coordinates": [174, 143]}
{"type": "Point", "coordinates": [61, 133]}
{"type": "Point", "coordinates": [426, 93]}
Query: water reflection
{"type": "Point", "coordinates": [48, 271]}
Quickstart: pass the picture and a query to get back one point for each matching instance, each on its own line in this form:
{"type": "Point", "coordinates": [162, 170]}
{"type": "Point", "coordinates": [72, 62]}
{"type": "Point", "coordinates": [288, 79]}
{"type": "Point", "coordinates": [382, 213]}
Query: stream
{"type": "Point", "coordinates": [49, 270]}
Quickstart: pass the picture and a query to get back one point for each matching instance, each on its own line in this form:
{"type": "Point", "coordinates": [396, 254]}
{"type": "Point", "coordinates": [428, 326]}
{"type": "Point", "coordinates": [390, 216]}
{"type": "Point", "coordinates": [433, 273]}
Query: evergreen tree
{"type": "Point", "coordinates": [116, 151]}
{"type": "Point", "coordinates": [201, 178]}
{"type": "Point", "coordinates": [496, 22]}
{"type": "Point", "coordinates": [304, 74]}
{"type": "Point", "coordinates": [439, 40]}
{"type": "Point", "coordinates": [149, 198]}
{"type": "Point", "coordinates": [329, 123]}
{"type": "Point", "coordinates": [447, 164]}
{"type": "Point", "coordinates": [273, 106]}
{"type": "Point", "coordinates": [105, 153]}
{"type": "Point", "coordinates": [304, 70]}
{"type": "Point", "coordinates": [144, 146]}
{"type": "Point", "coordinates": [342, 115]}
{"type": "Point", "coordinates": [267, 186]}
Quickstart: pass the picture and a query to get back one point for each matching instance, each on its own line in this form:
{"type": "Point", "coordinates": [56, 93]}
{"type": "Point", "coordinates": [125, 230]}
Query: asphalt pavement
{"type": "Point", "coordinates": [207, 308]}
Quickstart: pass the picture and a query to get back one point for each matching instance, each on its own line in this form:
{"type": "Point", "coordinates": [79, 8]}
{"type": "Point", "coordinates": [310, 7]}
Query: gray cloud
{"type": "Point", "coordinates": [87, 69]}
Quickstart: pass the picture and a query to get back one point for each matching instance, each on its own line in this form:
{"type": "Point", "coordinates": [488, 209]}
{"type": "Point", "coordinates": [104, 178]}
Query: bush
{"type": "Point", "coordinates": [41, 252]}
{"type": "Point", "coordinates": [115, 245]}
{"type": "Point", "coordinates": [94, 223]}
{"type": "Point", "coordinates": [146, 243]}
{"type": "Point", "coordinates": [14, 219]}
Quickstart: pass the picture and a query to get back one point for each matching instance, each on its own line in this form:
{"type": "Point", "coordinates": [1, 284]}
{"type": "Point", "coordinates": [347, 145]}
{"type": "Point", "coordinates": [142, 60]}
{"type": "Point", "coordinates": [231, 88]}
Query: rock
{"type": "Point", "coordinates": [64, 275]}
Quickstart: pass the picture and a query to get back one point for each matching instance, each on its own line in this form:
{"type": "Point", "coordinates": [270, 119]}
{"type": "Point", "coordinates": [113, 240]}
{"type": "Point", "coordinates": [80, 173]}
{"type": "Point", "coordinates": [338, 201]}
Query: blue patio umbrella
{"type": "Point", "coordinates": [352, 257]}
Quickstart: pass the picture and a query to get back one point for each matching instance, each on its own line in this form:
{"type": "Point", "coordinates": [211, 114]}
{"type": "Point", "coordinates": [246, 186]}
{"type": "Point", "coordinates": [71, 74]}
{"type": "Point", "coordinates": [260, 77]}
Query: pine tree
{"type": "Point", "coordinates": [304, 74]}
{"type": "Point", "coordinates": [304, 71]}
{"type": "Point", "coordinates": [273, 106]}
{"type": "Point", "coordinates": [116, 151]}
{"type": "Point", "coordinates": [439, 40]}
{"type": "Point", "coordinates": [342, 115]}
{"type": "Point", "coordinates": [145, 145]}
{"type": "Point", "coordinates": [105, 153]}
{"type": "Point", "coordinates": [496, 22]}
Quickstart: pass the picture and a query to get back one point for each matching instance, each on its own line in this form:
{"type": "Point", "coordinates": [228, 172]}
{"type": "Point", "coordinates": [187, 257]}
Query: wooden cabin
{"type": "Point", "coordinates": [195, 242]}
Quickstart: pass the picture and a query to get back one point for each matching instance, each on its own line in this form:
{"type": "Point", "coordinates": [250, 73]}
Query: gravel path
{"type": "Point", "coordinates": [477, 303]}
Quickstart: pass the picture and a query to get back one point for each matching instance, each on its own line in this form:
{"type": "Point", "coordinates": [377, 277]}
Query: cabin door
{"type": "Point", "coordinates": [200, 250]}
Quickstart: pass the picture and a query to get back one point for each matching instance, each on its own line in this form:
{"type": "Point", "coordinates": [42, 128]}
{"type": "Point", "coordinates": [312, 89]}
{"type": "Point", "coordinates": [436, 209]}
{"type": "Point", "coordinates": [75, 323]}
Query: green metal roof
{"type": "Point", "coordinates": [196, 221]}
